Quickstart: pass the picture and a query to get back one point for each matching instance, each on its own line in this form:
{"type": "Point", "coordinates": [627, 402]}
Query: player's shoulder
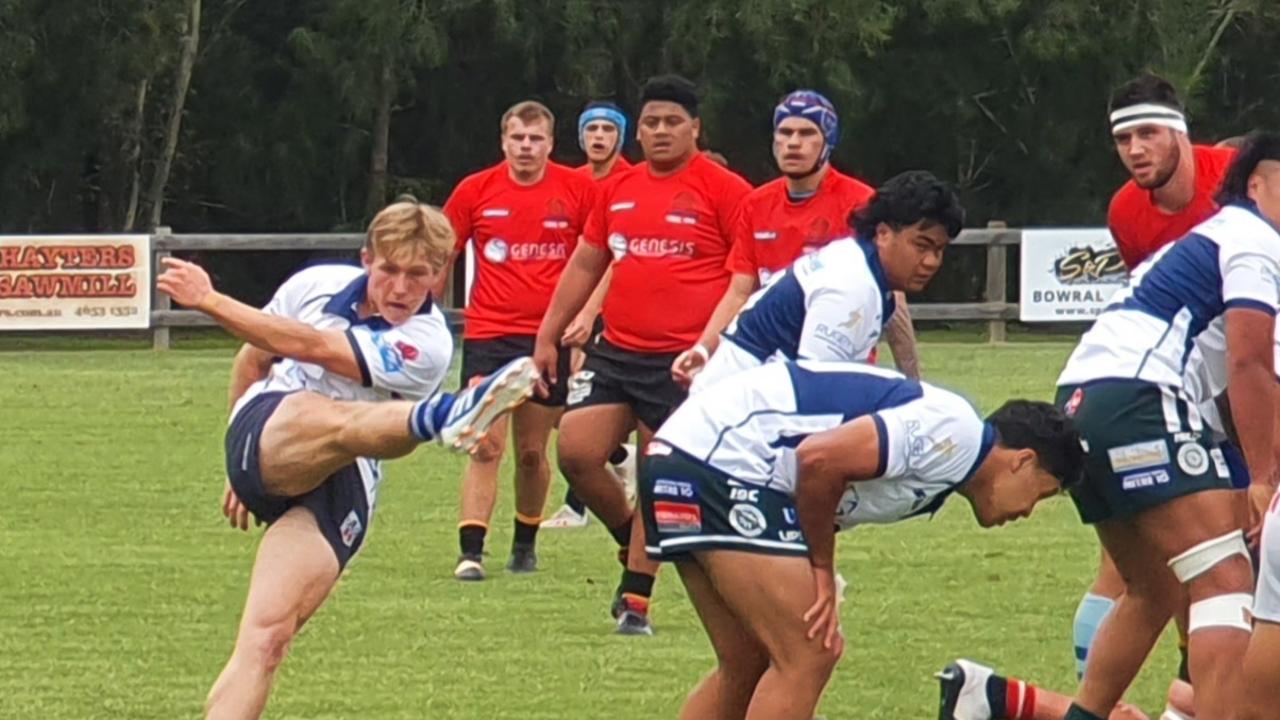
{"type": "Point", "coordinates": [1239, 230]}
{"type": "Point", "coordinates": [718, 176]}
{"type": "Point", "coordinates": [1213, 159]}
{"type": "Point", "coordinates": [572, 177]}
{"type": "Point", "coordinates": [481, 179]}
{"type": "Point", "coordinates": [1127, 199]}
{"type": "Point", "coordinates": [850, 188]}
{"type": "Point", "coordinates": [767, 194]}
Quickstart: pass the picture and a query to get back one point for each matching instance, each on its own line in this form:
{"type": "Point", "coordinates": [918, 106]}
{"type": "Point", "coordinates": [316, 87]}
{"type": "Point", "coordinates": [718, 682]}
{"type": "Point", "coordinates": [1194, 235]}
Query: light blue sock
{"type": "Point", "coordinates": [1092, 611]}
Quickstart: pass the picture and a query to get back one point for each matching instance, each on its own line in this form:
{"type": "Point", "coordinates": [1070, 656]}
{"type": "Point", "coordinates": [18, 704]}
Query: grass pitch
{"type": "Point", "coordinates": [121, 586]}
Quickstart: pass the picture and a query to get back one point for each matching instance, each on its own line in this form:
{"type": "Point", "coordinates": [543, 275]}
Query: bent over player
{"type": "Point", "coordinates": [833, 304]}
{"type": "Point", "coordinates": [747, 482]}
{"type": "Point", "coordinates": [307, 432]}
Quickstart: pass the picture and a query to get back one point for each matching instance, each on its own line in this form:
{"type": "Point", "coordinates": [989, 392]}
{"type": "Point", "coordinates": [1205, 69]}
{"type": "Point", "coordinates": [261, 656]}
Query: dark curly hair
{"type": "Point", "coordinates": [1258, 146]}
{"type": "Point", "coordinates": [671, 88]}
{"type": "Point", "coordinates": [1042, 427]}
{"type": "Point", "coordinates": [909, 198]}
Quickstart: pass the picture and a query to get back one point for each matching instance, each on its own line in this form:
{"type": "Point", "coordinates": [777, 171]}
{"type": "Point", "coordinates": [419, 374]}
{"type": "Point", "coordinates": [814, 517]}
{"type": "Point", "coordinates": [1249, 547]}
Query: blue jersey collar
{"type": "Point", "coordinates": [346, 303]}
{"type": "Point", "coordinates": [877, 271]}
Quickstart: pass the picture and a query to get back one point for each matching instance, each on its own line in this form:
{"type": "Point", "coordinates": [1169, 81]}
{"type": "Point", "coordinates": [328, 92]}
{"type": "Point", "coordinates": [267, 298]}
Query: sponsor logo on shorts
{"type": "Point", "coordinates": [789, 516]}
{"type": "Point", "coordinates": [1185, 437]}
{"type": "Point", "coordinates": [1193, 459]}
{"type": "Point", "coordinates": [790, 535]}
{"type": "Point", "coordinates": [677, 517]}
{"type": "Point", "coordinates": [657, 448]}
{"type": "Point", "coordinates": [1143, 480]}
{"type": "Point", "coordinates": [1073, 402]}
{"type": "Point", "coordinates": [1139, 455]}
{"type": "Point", "coordinates": [350, 528]}
{"type": "Point", "coordinates": [579, 387]}
{"type": "Point", "coordinates": [742, 494]}
{"type": "Point", "coordinates": [674, 488]}
{"type": "Point", "coordinates": [1220, 463]}
{"type": "Point", "coordinates": [748, 520]}
{"type": "Point", "coordinates": [496, 250]}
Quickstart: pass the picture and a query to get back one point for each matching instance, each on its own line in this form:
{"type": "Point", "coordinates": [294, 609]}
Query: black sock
{"type": "Point", "coordinates": [619, 455]}
{"type": "Point", "coordinates": [1078, 713]}
{"type": "Point", "coordinates": [636, 583]}
{"type": "Point", "coordinates": [471, 539]}
{"type": "Point", "coordinates": [1184, 665]}
{"type": "Point", "coordinates": [526, 533]}
{"type": "Point", "coordinates": [573, 501]}
{"type": "Point", "coordinates": [622, 533]}
{"type": "Point", "coordinates": [997, 695]}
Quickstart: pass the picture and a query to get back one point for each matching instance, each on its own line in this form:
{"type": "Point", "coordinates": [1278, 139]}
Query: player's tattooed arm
{"type": "Point", "coordinates": [901, 336]}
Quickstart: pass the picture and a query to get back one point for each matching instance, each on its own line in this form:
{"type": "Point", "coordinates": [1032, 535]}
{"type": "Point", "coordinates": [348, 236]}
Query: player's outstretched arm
{"type": "Point", "coordinates": [189, 284]}
{"type": "Point", "coordinates": [826, 462]}
{"type": "Point", "coordinates": [691, 361]}
{"type": "Point", "coordinates": [586, 266]}
{"type": "Point", "coordinates": [1251, 390]}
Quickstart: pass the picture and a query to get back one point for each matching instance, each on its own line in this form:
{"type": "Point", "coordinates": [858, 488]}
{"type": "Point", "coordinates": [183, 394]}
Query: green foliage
{"type": "Point", "coordinates": [1004, 97]}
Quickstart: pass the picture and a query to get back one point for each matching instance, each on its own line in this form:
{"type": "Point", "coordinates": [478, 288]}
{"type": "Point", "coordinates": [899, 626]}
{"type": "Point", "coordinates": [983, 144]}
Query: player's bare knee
{"type": "Point", "coordinates": [264, 646]}
{"type": "Point", "coordinates": [530, 459]}
{"type": "Point", "coordinates": [577, 460]}
{"type": "Point", "coordinates": [743, 669]}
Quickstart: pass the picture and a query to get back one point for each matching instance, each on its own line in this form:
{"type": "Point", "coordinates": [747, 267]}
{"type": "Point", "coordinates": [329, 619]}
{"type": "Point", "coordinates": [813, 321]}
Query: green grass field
{"type": "Point", "coordinates": [121, 586]}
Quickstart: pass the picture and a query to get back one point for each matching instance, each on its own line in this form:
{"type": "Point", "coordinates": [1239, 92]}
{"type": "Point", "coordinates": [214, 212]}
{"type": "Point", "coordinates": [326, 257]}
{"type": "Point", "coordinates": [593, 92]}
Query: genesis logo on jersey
{"type": "Point", "coordinates": [748, 520]}
{"type": "Point", "coordinates": [496, 250]}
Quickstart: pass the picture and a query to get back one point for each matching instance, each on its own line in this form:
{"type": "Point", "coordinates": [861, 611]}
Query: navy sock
{"type": "Point", "coordinates": [1078, 713]}
{"type": "Point", "coordinates": [471, 539]}
{"type": "Point", "coordinates": [573, 501]}
{"type": "Point", "coordinates": [526, 533]}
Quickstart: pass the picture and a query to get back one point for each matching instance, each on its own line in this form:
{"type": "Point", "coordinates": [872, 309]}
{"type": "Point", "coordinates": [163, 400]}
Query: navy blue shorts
{"type": "Point", "coordinates": [340, 504]}
{"type": "Point", "coordinates": [1235, 465]}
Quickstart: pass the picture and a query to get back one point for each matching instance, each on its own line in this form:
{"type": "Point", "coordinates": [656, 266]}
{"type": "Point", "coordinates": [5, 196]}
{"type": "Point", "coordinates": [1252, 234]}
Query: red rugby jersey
{"type": "Point", "coordinates": [523, 237]}
{"type": "Point", "coordinates": [1140, 228]}
{"type": "Point", "coordinates": [669, 237]}
{"type": "Point", "coordinates": [772, 230]}
{"type": "Point", "coordinates": [619, 165]}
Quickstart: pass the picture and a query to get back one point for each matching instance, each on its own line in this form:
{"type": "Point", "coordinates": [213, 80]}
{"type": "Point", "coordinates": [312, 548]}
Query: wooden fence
{"type": "Point", "coordinates": [995, 307]}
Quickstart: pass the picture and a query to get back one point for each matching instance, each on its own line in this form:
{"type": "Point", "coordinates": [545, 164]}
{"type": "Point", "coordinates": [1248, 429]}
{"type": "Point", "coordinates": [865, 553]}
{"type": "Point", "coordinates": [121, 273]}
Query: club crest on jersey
{"type": "Point", "coordinates": [557, 217]}
{"type": "Point", "coordinates": [683, 210]}
{"type": "Point", "coordinates": [496, 250]}
{"type": "Point", "coordinates": [748, 520]}
{"type": "Point", "coordinates": [407, 351]}
{"type": "Point", "coordinates": [350, 529]}
{"type": "Point", "coordinates": [817, 233]}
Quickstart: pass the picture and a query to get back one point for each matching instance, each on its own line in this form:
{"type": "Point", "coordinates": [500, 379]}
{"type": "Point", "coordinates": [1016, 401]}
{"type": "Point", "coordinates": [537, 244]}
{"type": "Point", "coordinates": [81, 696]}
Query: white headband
{"type": "Point", "coordinates": [1147, 114]}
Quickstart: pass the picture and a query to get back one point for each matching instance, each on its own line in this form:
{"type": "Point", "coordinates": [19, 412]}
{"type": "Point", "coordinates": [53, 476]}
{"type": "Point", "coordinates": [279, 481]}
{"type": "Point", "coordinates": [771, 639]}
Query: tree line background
{"type": "Point", "coordinates": [238, 116]}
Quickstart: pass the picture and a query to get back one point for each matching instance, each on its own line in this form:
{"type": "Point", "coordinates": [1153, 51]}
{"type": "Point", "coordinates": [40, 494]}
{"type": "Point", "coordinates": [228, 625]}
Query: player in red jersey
{"type": "Point", "coordinates": [1172, 181]}
{"type": "Point", "coordinates": [665, 224]}
{"type": "Point", "coordinates": [1171, 189]}
{"type": "Point", "coordinates": [523, 217]}
{"type": "Point", "coordinates": [806, 208]}
{"type": "Point", "coordinates": [602, 132]}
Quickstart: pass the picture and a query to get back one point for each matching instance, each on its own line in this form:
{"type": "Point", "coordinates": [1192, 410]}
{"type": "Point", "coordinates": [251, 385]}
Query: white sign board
{"type": "Point", "coordinates": [1068, 275]}
{"type": "Point", "coordinates": [71, 282]}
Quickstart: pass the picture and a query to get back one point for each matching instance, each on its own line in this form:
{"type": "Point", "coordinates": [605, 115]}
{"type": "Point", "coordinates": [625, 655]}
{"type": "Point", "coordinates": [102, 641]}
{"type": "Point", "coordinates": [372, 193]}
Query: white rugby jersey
{"type": "Point", "coordinates": [749, 425]}
{"type": "Point", "coordinates": [406, 361]}
{"type": "Point", "coordinates": [831, 304]}
{"type": "Point", "coordinates": [1175, 304]}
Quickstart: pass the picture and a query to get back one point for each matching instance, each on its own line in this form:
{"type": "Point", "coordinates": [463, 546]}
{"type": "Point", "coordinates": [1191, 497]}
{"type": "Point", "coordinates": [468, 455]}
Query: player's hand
{"type": "Point", "coordinates": [824, 616]}
{"type": "Point", "coordinates": [185, 282]}
{"type": "Point", "coordinates": [579, 331]}
{"type": "Point", "coordinates": [235, 511]}
{"type": "Point", "coordinates": [689, 363]}
{"type": "Point", "coordinates": [1125, 711]}
{"type": "Point", "coordinates": [546, 356]}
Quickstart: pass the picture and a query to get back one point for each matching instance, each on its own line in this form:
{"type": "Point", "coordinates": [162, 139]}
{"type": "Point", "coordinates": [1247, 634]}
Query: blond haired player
{"type": "Point", "coordinates": [307, 432]}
